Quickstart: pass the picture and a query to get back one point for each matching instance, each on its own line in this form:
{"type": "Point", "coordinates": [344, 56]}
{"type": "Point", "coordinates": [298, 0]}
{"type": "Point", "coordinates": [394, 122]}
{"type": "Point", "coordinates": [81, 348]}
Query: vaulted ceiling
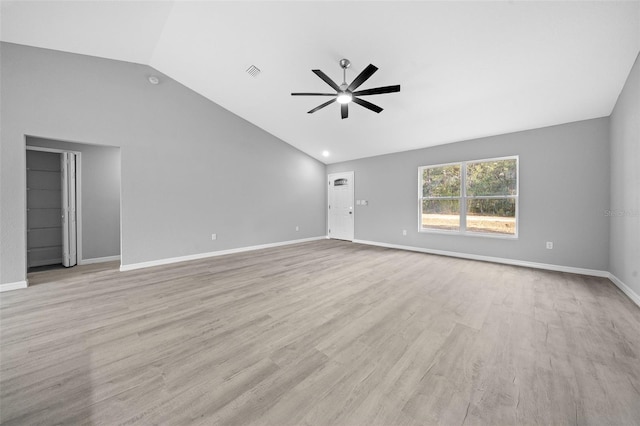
{"type": "Point", "coordinates": [467, 69]}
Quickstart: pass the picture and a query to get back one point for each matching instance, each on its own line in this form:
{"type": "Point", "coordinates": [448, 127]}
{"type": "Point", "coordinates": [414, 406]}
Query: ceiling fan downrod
{"type": "Point", "coordinates": [344, 64]}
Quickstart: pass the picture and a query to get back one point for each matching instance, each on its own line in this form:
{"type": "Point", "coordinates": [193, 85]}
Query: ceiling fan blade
{"type": "Point", "coordinates": [377, 90]}
{"type": "Point", "coordinates": [327, 80]}
{"type": "Point", "coordinates": [344, 111]}
{"type": "Point", "coordinates": [321, 106]}
{"type": "Point", "coordinates": [368, 105]}
{"type": "Point", "coordinates": [362, 77]}
{"type": "Point", "coordinates": [313, 94]}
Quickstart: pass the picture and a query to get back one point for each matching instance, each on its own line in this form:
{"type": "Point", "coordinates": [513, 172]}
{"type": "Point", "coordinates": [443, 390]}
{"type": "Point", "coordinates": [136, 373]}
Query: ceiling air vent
{"type": "Point", "coordinates": [253, 71]}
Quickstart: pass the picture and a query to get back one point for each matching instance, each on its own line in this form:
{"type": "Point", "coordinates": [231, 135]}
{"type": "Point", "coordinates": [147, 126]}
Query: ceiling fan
{"type": "Point", "coordinates": [345, 92]}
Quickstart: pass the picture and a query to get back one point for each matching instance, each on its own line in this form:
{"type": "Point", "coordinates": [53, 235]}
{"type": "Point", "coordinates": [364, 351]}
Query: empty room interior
{"type": "Point", "coordinates": [320, 212]}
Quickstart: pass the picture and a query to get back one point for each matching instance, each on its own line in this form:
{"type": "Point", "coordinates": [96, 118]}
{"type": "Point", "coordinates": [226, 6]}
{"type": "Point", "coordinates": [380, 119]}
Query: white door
{"type": "Point", "coordinates": [341, 214]}
{"type": "Point", "coordinates": [68, 172]}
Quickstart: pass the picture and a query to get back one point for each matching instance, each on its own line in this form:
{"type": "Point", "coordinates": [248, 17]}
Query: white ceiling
{"type": "Point", "coordinates": [467, 69]}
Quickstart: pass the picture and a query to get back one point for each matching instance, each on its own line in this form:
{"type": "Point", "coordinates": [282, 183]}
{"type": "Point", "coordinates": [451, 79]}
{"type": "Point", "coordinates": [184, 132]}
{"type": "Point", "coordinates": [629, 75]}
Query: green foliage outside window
{"type": "Point", "coordinates": [441, 181]}
{"type": "Point", "coordinates": [492, 178]}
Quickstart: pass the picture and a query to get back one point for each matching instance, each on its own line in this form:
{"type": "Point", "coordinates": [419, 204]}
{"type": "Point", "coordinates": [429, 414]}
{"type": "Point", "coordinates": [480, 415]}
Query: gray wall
{"type": "Point", "coordinates": [100, 176]}
{"type": "Point", "coordinates": [189, 168]}
{"type": "Point", "coordinates": [564, 188]}
{"type": "Point", "coordinates": [624, 253]}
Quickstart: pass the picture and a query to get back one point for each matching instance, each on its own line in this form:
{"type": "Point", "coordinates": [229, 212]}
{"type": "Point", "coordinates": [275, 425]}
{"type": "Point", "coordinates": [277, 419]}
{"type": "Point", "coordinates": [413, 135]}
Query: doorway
{"type": "Point", "coordinates": [52, 214]}
{"type": "Point", "coordinates": [340, 211]}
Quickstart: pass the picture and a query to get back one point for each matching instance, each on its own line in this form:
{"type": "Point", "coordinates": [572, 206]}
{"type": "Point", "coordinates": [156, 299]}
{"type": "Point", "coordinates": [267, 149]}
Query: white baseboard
{"type": "Point", "coordinates": [168, 261]}
{"type": "Point", "coordinates": [99, 260]}
{"type": "Point", "coordinates": [625, 289]}
{"type": "Point", "coordinates": [14, 286]}
{"type": "Point", "coordinates": [514, 262]}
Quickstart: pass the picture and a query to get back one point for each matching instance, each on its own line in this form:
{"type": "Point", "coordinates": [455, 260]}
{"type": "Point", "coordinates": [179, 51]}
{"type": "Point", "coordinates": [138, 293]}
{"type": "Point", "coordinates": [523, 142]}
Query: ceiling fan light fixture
{"type": "Point", "coordinates": [344, 97]}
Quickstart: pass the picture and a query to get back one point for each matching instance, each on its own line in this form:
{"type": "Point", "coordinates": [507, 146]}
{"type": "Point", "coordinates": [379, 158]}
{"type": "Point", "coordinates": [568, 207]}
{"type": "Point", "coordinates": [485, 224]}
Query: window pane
{"type": "Point", "coordinates": [492, 215]}
{"type": "Point", "coordinates": [492, 178]}
{"type": "Point", "coordinates": [441, 181]}
{"type": "Point", "coordinates": [440, 214]}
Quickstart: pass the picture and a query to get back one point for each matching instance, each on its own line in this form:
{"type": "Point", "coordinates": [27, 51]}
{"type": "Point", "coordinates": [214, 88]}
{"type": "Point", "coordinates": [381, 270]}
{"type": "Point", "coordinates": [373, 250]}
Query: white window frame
{"type": "Point", "coordinates": [463, 199]}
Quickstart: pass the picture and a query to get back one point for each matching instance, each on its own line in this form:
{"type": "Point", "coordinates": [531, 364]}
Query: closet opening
{"type": "Point", "coordinates": [52, 213]}
{"type": "Point", "coordinates": [73, 195]}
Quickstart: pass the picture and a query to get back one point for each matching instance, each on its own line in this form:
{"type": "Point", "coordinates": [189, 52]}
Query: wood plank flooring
{"type": "Point", "coordinates": [320, 333]}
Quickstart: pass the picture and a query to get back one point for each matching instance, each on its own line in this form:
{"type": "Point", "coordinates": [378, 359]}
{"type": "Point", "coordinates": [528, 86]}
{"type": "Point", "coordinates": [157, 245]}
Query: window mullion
{"type": "Point", "coordinates": [463, 197]}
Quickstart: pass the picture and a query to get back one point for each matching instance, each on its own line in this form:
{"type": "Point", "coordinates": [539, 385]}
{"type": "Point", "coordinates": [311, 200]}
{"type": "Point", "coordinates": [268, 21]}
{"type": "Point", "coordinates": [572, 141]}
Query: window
{"type": "Point", "coordinates": [441, 197]}
{"type": "Point", "coordinates": [471, 197]}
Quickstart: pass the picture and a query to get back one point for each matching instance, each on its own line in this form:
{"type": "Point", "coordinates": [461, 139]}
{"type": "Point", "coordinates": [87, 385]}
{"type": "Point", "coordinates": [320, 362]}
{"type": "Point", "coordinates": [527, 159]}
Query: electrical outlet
{"type": "Point", "coordinates": [214, 237]}
{"type": "Point", "coordinates": [297, 228]}
{"type": "Point", "coordinates": [549, 245]}
{"type": "Point", "coordinates": [404, 232]}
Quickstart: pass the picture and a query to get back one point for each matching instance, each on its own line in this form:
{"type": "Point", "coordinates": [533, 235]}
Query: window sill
{"type": "Point", "coordinates": [469, 234]}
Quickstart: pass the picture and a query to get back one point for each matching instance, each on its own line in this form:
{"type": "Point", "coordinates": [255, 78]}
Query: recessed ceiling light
{"type": "Point", "coordinates": [325, 153]}
{"type": "Point", "coordinates": [153, 79]}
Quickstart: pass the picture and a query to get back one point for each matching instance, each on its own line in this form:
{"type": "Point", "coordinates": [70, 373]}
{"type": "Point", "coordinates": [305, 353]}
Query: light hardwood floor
{"type": "Point", "coordinates": [321, 333]}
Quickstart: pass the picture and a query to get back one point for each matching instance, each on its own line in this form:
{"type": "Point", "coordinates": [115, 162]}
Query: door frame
{"type": "Point", "coordinates": [353, 196]}
{"type": "Point", "coordinates": [78, 200]}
